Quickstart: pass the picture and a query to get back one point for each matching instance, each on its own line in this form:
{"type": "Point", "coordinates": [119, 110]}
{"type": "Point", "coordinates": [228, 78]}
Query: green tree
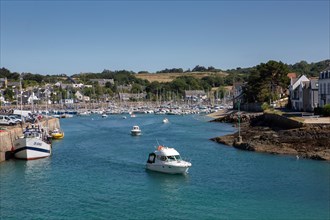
{"type": "Point", "coordinates": [136, 88]}
{"type": "Point", "coordinates": [9, 94]}
{"type": "Point", "coordinates": [264, 82]}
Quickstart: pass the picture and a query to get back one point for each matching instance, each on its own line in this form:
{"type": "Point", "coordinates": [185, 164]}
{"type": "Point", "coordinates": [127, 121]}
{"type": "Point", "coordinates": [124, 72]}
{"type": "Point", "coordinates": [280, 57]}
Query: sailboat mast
{"type": "Point", "coordinates": [20, 83]}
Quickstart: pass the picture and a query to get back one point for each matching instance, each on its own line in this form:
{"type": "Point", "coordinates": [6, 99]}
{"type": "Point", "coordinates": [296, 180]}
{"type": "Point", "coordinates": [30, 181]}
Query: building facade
{"type": "Point", "coordinates": [324, 87]}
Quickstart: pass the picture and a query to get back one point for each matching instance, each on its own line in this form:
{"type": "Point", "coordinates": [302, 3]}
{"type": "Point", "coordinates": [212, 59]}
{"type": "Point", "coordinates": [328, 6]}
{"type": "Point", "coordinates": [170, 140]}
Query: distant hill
{"type": "Point", "coordinates": [302, 67]}
{"type": "Point", "coordinates": [169, 77]}
{"type": "Point", "coordinates": [309, 69]}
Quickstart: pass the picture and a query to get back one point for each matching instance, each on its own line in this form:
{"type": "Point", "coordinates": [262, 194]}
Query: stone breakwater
{"type": "Point", "coordinates": [9, 134]}
{"type": "Point", "coordinates": [267, 133]}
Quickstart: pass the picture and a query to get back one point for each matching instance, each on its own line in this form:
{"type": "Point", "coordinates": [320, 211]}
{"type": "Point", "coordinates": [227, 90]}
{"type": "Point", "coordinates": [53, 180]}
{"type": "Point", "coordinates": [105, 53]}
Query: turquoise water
{"type": "Point", "coordinates": [97, 172]}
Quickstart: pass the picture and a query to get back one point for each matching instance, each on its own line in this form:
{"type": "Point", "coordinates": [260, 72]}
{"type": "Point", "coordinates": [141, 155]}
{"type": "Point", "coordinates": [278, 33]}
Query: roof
{"type": "Point", "coordinates": [292, 75]}
{"type": "Point", "coordinates": [166, 151]}
{"type": "Point", "coordinates": [298, 81]}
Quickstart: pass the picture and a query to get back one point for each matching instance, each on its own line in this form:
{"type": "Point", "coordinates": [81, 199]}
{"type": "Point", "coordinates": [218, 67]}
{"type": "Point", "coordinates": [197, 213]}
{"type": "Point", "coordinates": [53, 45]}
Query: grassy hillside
{"type": "Point", "coordinates": [168, 77]}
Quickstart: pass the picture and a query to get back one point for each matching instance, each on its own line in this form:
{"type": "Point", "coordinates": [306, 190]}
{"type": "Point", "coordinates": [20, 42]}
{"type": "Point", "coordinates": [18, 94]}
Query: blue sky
{"type": "Point", "coordinates": [54, 37]}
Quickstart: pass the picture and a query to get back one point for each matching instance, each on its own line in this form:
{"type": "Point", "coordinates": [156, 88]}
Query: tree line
{"type": "Point", "coordinates": [262, 83]}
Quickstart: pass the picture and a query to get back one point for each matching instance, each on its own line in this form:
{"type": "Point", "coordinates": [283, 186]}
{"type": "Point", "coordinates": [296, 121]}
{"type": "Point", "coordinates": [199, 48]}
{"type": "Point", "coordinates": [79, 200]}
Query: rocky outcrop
{"type": "Point", "coordinates": [308, 141]}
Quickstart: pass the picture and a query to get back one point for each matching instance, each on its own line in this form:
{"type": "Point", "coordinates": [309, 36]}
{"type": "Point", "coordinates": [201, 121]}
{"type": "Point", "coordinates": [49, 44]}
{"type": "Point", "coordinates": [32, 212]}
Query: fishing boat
{"type": "Point", "coordinates": [167, 160]}
{"type": "Point", "coordinates": [34, 144]}
{"type": "Point", "coordinates": [136, 130]}
{"type": "Point", "coordinates": [165, 120]}
{"type": "Point", "coordinates": [57, 134]}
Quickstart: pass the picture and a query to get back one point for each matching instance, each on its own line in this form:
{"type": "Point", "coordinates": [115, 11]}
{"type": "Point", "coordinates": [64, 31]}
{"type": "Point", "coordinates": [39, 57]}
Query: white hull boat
{"type": "Point", "coordinates": [167, 160]}
{"type": "Point", "coordinates": [136, 131]}
{"type": "Point", "coordinates": [165, 120]}
{"type": "Point", "coordinates": [32, 146]}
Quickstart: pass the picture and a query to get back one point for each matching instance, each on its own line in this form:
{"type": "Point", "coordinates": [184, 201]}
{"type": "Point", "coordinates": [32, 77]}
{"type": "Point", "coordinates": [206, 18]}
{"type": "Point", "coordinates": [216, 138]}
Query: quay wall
{"type": "Point", "coordinates": [10, 134]}
{"type": "Point", "coordinates": [282, 122]}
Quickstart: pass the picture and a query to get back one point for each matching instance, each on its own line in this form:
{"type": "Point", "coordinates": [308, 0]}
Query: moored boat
{"type": "Point", "coordinates": [136, 130]}
{"type": "Point", "coordinates": [57, 134]}
{"type": "Point", "coordinates": [34, 144]}
{"type": "Point", "coordinates": [167, 160]}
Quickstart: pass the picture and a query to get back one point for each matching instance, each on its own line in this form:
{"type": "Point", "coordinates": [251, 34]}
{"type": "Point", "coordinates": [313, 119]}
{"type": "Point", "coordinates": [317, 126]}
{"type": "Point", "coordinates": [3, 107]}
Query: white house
{"type": "Point", "coordinates": [66, 101]}
{"type": "Point", "coordinates": [79, 85]}
{"type": "Point", "coordinates": [81, 97]}
{"type": "Point", "coordinates": [195, 95]}
{"type": "Point", "coordinates": [324, 87]}
{"type": "Point", "coordinates": [296, 92]}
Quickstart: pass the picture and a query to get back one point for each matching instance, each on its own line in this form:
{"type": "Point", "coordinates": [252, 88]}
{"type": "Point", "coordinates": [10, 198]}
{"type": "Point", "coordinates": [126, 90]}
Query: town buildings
{"type": "Point", "coordinates": [324, 87]}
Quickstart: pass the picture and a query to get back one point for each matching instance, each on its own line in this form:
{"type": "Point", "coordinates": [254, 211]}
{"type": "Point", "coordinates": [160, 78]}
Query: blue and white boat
{"type": "Point", "coordinates": [34, 144]}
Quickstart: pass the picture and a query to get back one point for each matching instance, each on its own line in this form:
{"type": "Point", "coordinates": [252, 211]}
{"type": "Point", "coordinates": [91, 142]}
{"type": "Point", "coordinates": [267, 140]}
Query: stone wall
{"type": "Point", "coordinates": [281, 121]}
{"type": "Point", "coordinates": [9, 134]}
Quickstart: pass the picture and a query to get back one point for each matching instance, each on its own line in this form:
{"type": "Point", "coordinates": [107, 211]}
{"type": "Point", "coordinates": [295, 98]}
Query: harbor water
{"type": "Point", "coordinates": [98, 172]}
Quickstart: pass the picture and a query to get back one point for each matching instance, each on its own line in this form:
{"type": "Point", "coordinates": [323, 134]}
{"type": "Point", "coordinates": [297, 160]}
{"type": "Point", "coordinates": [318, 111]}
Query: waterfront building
{"type": "Point", "coordinates": [195, 95]}
{"type": "Point", "coordinates": [296, 92]}
{"type": "Point", "coordinates": [132, 96]}
{"type": "Point", "coordinates": [310, 91]}
{"type": "Point", "coordinates": [324, 87]}
{"type": "Point", "coordinates": [81, 97]}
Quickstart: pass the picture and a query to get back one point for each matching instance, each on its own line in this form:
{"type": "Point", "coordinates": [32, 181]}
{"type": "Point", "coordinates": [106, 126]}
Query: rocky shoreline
{"type": "Point", "coordinates": [261, 133]}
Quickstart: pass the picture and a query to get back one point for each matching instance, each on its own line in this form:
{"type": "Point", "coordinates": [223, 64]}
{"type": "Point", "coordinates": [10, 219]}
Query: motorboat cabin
{"type": "Point", "coordinates": [167, 160]}
{"type": "Point", "coordinates": [136, 130]}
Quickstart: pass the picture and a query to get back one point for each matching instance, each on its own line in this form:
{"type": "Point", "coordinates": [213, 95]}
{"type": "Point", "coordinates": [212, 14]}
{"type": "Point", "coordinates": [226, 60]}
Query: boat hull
{"type": "Point", "coordinates": [135, 133]}
{"type": "Point", "coordinates": [58, 136]}
{"type": "Point", "coordinates": [31, 149]}
{"type": "Point", "coordinates": [168, 168]}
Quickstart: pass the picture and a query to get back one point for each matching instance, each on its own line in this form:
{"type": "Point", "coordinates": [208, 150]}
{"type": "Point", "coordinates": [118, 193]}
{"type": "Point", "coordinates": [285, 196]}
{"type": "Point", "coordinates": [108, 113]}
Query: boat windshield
{"type": "Point", "coordinates": [174, 158]}
{"type": "Point", "coordinates": [177, 157]}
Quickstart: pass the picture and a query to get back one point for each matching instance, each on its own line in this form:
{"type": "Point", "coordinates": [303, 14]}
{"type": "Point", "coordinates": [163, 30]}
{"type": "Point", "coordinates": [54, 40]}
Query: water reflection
{"type": "Point", "coordinates": [169, 183]}
{"type": "Point", "coordinates": [37, 169]}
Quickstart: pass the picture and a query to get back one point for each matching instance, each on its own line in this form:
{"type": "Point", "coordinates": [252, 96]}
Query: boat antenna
{"type": "Point", "coordinates": [157, 142]}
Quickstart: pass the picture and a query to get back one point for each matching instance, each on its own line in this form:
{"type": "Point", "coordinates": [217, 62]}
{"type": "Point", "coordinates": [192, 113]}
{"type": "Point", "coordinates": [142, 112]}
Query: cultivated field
{"type": "Point", "coordinates": [168, 77]}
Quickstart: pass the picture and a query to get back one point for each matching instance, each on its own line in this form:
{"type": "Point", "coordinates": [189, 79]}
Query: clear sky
{"type": "Point", "coordinates": [54, 37]}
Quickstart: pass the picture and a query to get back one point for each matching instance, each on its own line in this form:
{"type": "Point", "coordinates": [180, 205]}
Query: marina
{"type": "Point", "coordinates": [99, 169]}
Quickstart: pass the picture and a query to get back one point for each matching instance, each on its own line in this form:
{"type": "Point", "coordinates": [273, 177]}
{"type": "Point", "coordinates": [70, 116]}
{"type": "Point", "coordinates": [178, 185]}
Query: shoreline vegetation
{"type": "Point", "coordinates": [275, 134]}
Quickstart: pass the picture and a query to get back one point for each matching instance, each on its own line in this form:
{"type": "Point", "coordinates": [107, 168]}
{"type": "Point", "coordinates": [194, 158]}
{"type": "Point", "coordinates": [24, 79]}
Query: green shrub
{"type": "Point", "coordinates": [265, 106]}
{"type": "Point", "coordinates": [326, 110]}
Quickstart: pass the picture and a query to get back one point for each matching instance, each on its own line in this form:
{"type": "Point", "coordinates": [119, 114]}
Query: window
{"type": "Point", "coordinates": [325, 88]}
{"type": "Point", "coordinates": [171, 158]}
{"type": "Point", "coordinates": [177, 157]}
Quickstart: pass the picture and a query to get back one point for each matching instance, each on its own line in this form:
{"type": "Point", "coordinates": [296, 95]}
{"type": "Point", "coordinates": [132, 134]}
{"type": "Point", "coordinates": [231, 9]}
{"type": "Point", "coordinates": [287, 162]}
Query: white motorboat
{"type": "Point", "coordinates": [104, 115]}
{"type": "Point", "coordinates": [167, 160]}
{"type": "Point", "coordinates": [34, 144]}
{"type": "Point", "coordinates": [165, 120]}
{"type": "Point", "coordinates": [136, 130]}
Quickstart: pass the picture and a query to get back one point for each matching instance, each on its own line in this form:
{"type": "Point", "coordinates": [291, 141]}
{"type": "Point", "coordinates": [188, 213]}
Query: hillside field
{"type": "Point", "coordinates": [168, 77]}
